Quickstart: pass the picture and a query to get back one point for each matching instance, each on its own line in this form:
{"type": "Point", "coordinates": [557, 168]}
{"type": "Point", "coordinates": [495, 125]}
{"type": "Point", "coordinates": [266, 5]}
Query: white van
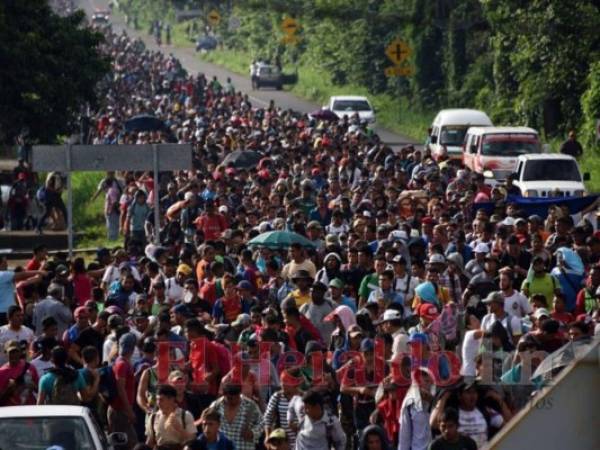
{"type": "Point", "coordinates": [449, 128]}
{"type": "Point", "coordinates": [497, 149]}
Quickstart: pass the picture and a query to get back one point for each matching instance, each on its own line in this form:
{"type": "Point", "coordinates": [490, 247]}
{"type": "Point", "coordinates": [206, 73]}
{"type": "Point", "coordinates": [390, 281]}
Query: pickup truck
{"type": "Point", "coordinates": [549, 175]}
{"type": "Point", "coordinates": [348, 105]}
{"type": "Point", "coordinates": [44, 426]}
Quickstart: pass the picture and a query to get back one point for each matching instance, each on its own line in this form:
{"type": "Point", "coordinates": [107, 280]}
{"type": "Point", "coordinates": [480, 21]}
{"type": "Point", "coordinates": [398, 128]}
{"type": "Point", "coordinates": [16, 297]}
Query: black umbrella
{"type": "Point", "coordinates": [324, 114]}
{"type": "Point", "coordinates": [144, 122]}
{"type": "Point", "coordinates": [242, 159]}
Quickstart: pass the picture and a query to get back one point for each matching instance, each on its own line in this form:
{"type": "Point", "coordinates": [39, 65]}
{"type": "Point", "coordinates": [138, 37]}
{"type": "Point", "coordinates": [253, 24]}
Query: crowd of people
{"type": "Point", "coordinates": [421, 318]}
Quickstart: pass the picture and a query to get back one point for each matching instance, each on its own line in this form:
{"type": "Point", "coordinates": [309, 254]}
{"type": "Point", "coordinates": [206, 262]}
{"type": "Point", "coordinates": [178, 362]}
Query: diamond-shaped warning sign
{"type": "Point", "coordinates": [289, 25]}
{"type": "Point", "coordinates": [214, 17]}
{"type": "Point", "coordinates": [398, 51]}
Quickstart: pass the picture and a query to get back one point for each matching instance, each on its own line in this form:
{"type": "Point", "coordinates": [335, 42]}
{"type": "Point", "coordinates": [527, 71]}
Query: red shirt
{"type": "Point", "coordinates": [212, 226]}
{"type": "Point", "coordinates": [7, 373]}
{"type": "Point", "coordinates": [82, 287]}
{"type": "Point", "coordinates": [124, 370]}
{"type": "Point", "coordinates": [33, 264]}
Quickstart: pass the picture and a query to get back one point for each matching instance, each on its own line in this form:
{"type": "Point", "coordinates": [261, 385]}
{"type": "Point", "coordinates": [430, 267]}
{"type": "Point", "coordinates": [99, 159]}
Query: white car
{"type": "Point", "coordinates": [44, 426]}
{"type": "Point", "coordinates": [348, 105]}
{"type": "Point", "coordinates": [549, 175]}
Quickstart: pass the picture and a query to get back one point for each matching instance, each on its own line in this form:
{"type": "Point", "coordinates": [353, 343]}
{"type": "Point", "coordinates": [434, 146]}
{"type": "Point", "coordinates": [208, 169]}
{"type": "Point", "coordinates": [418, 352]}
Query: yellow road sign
{"type": "Point", "coordinates": [214, 17]}
{"type": "Point", "coordinates": [398, 51]}
{"type": "Point", "coordinates": [289, 26]}
{"type": "Point", "coordinates": [399, 71]}
{"type": "Point", "coordinates": [290, 39]}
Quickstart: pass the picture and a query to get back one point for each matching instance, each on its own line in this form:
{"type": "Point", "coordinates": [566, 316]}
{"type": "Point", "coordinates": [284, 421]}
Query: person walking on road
{"type": "Point", "coordinates": [572, 146]}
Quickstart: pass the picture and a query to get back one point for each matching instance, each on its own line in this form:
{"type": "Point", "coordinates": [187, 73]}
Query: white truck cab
{"type": "Point", "coordinates": [348, 105]}
{"type": "Point", "coordinates": [549, 175]}
{"type": "Point", "coordinates": [498, 148]}
{"type": "Point", "coordinates": [449, 128]}
{"type": "Point", "coordinates": [45, 426]}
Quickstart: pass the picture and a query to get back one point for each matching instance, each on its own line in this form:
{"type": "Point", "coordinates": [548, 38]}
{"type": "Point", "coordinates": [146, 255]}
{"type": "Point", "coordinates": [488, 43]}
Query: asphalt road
{"type": "Point", "coordinates": [193, 64]}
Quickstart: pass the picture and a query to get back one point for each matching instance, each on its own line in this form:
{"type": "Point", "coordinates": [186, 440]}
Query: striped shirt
{"type": "Point", "coordinates": [248, 417]}
{"type": "Point", "coordinates": [276, 416]}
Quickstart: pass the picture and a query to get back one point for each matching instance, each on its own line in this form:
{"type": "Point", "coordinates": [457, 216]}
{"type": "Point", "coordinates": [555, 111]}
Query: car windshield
{"type": "Point", "coordinates": [505, 145]}
{"type": "Point", "coordinates": [40, 433]}
{"type": "Point", "coordinates": [351, 105]}
{"type": "Point", "coordinates": [551, 170]}
{"type": "Point", "coordinates": [453, 135]}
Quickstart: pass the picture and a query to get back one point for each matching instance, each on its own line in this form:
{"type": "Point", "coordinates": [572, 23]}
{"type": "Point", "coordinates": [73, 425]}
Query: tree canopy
{"type": "Point", "coordinates": [49, 69]}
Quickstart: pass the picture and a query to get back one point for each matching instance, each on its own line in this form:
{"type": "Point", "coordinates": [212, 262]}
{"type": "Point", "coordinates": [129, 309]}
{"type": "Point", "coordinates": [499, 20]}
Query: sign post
{"type": "Point", "coordinates": [92, 158]}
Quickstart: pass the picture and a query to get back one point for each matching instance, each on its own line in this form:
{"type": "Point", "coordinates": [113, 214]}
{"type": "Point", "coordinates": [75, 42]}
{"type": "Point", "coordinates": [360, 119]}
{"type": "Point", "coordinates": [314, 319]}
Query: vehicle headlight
{"type": "Point", "coordinates": [531, 193]}
{"type": "Point", "coordinates": [579, 193]}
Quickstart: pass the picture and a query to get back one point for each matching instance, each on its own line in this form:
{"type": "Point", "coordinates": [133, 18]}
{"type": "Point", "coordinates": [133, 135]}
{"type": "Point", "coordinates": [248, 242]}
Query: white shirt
{"type": "Point", "coordinates": [174, 291]}
{"type": "Point", "coordinates": [517, 305]}
{"type": "Point", "coordinates": [400, 286]}
{"type": "Point", "coordinates": [41, 366]}
{"type": "Point", "coordinates": [515, 323]}
{"type": "Point", "coordinates": [470, 349]}
{"type": "Point", "coordinates": [8, 334]}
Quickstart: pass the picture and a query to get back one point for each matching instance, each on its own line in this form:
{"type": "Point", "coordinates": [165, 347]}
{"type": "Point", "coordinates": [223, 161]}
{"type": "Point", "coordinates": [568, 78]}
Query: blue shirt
{"type": "Point", "coordinates": [7, 290]}
{"type": "Point", "coordinates": [47, 383]}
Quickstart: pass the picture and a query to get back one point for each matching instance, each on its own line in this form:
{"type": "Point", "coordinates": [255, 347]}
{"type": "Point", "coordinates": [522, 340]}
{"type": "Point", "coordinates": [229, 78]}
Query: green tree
{"type": "Point", "coordinates": [49, 68]}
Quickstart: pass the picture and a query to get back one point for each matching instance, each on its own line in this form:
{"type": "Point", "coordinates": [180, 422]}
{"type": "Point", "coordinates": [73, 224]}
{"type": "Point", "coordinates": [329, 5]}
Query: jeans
{"type": "Point", "coordinates": [112, 226]}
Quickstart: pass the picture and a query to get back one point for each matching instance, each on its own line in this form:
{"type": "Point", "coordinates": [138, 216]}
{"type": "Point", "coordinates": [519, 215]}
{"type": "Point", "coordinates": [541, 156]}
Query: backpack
{"type": "Point", "coordinates": [107, 387]}
{"type": "Point", "coordinates": [64, 392]}
{"type": "Point", "coordinates": [41, 194]}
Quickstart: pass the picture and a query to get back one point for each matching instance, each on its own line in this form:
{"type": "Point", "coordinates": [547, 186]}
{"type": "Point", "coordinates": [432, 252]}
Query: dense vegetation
{"type": "Point", "coordinates": [49, 68]}
{"type": "Point", "coordinates": [524, 62]}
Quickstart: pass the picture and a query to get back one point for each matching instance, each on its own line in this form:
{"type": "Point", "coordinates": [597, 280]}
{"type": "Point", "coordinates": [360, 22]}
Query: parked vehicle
{"type": "Point", "coordinates": [549, 175]}
{"type": "Point", "coordinates": [449, 129]}
{"type": "Point", "coordinates": [497, 149]}
{"type": "Point", "coordinates": [268, 76]}
{"type": "Point", "coordinates": [206, 43]}
{"type": "Point", "coordinates": [348, 105]}
{"type": "Point", "coordinates": [45, 426]}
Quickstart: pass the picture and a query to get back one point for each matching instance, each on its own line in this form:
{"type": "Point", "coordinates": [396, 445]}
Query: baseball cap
{"type": "Point", "coordinates": [436, 258]}
{"type": "Point", "coordinates": [244, 284]}
{"type": "Point", "coordinates": [277, 434]}
{"type": "Point", "coordinates": [428, 311]}
{"type": "Point", "coordinates": [188, 196]}
{"type": "Point", "coordinates": [399, 259]}
{"type": "Point", "coordinates": [241, 320]}
{"type": "Point", "coordinates": [223, 209]}
{"type": "Point", "coordinates": [418, 337]}
{"type": "Point", "coordinates": [184, 269]}
{"type": "Point", "coordinates": [389, 315]}
{"type": "Point", "coordinates": [541, 312]}
{"type": "Point", "coordinates": [11, 345]}
{"type": "Point", "coordinates": [482, 248]}
{"type": "Point", "coordinates": [355, 330]}
{"type": "Point", "coordinates": [182, 309]}
{"type": "Point", "coordinates": [61, 269]}
{"type": "Point", "coordinates": [336, 283]}
{"type": "Point", "coordinates": [494, 296]}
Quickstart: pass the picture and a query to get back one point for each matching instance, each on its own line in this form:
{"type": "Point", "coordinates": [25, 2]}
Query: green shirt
{"type": "Point", "coordinates": [545, 285]}
{"type": "Point", "coordinates": [369, 283]}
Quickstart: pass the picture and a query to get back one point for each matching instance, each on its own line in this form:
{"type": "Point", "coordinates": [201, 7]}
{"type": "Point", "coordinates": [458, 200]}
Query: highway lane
{"type": "Point", "coordinates": [191, 62]}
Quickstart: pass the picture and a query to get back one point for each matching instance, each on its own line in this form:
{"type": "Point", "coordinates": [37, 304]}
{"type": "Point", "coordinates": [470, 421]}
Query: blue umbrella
{"type": "Point", "coordinates": [144, 122]}
{"type": "Point", "coordinates": [279, 240]}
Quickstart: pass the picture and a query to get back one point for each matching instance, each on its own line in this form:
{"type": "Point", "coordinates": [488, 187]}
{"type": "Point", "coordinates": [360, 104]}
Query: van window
{"type": "Point", "coordinates": [509, 145]}
{"type": "Point", "coordinates": [453, 135]}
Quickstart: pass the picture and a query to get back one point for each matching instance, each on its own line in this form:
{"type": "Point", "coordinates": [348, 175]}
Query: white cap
{"type": "Point", "coordinates": [482, 248]}
{"type": "Point", "coordinates": [508, 222]}
{"type": "Point", "coordinates": [223, 209]}
{"type": "Point", "coordinates": [188, 196]}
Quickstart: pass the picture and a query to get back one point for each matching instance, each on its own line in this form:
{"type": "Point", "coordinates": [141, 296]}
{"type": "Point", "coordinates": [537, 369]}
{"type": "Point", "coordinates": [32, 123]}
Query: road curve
{"type": "Point", "coordinates": [193, 64]}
